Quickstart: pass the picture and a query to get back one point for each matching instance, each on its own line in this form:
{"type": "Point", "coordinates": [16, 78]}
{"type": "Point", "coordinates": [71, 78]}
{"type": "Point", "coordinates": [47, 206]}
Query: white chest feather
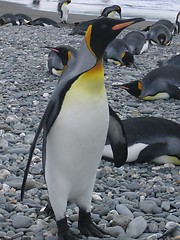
{"type": "Point", "coordinates": [76, 139]}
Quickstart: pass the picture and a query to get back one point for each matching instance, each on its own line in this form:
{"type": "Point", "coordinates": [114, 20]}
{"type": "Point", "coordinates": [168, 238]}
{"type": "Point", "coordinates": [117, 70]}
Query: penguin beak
{"type": "Point", "coordinates": [52, 49]}
{"type": "Point", "coordinates": [117, 84]}
{"type": "Point", "coordinates": [126, 23]}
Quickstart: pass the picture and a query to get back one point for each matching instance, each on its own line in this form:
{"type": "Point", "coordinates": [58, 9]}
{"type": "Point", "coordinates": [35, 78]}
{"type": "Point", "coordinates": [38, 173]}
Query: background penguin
{"type": "Point", "coordinates": [23, 19]}
{"type": "Point", "coordinates": [9, 18]}
{"type": "Point", "coordinates": [81, 27]}
{"type": "Point", "coordinates": [150, 139]}
{"type": "Point", "coordinates": [177, 23]}
{"type": "Point", "coordinates": [160, 83]}
{"type": "Point", "coordinates": [118, 52]}
{"type": "Point", "coordinates": [112, 11]}
{"type": "Point", "coordinates": [136, 42]}
{"type": "Point", "coordinates": [44, 22]}
{"type": "Point", "coordinates": [159, 34]}
{"type": "Point", "coordinates": [75, 125]}
{"type": "Point", "coordinates": [59, 57]}
{"type": "Point", "coordinates": [63, 10]}
{"type": "Point", "coordinates": [167, 23]}
{"type": "Point", "coordinates": [175, 60]}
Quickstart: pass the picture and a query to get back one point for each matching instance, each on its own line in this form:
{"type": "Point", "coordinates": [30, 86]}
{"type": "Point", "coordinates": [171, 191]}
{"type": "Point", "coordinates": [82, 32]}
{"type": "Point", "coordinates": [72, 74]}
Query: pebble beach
{"type": "Point", "coordinates": [135, 201]}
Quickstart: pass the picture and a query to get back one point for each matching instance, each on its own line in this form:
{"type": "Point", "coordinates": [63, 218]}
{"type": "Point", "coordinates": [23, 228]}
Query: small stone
{"type": "Point", "coordinates": [165, 205]}
{"type": "Point", "coordinates": [123, 210]}
{"type": "Point", "coordinates": [115, 231]}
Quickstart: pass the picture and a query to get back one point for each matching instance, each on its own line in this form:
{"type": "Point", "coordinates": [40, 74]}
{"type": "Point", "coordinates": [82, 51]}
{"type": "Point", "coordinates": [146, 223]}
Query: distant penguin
{"type": "Point", "coordinates": [112, 11]}
{"type": "Point", "coordinates": [136, 41]}
{"type": "Point", "coordinates": [46, 22]}
{"type": "Point", "coordinates": [118, 52]}
{"type": "Point", "coordinates": [177, 23]}
{"type": "Point", "coordinates": [167, 23]}
{"type": "Point", "coordinates": [159, 34]}
{"type": "Point", "coordinates": [63, 10]}
{"type": "Point", "coordinates": [59, 57]}
{"type": "Point", "coordinates": [75, 125]}
{"type": "Point", "coordinates": [81, 27]}
{"type": "Point", "coordinates": [175, 60]}
{"type": "Point", "coordinates": [150, 139]}
{"type": "Point", "coordinates": [23, 19]}
{"type": "Point", "coordinates": [9, 18]}
{"type": "Point", "coordinates": [160, 83]}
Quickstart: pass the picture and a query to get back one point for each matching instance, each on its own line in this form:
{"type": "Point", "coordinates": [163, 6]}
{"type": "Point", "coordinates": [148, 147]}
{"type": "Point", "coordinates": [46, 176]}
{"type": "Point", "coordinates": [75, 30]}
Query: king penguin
{"type": "Point", "coordinates": [175, 60]}
{"type": "Point", "coordinates": [177, 23]}
{"type": "Point", "coordinates": [112, 11]}
{"type": "Point", "coordinates": [118, 52]}
{"type": "Point", "coordinates": [160, 83]}
{"type": "Point", "coordinates": [63, 10]}
{"type": "Point", "coordinates": [59, 57]}
{"type": "Point", "coordinates": [159, 34]}
{"type": "Point", "coordinates": [136, 41]}
{"type": "Point", "coordinates": [81, 27]}
{"type": "Point", "coordinates": [150, 139]}
{"type": "Point", "coordinates": [75, 125]}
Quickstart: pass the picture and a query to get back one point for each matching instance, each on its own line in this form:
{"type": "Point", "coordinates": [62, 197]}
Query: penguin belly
{"type": "Point", "coordinates": [74, 149]}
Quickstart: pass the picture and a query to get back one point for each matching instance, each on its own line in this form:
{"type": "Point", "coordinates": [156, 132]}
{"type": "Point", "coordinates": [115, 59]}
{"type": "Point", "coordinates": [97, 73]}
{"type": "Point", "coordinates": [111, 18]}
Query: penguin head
{"type": "Point", "coordinates": [63, 53]}
{"type": "Point", "coordinates": [127, 59]}
{"type": "Point", "coordinates": [162, 38]}
{"type": "Point", "coordinates": [118, 10]}
{"type": "Point", "coordinates": [103, 31]}
{"type": "Point", "coordinates": [134, 88]}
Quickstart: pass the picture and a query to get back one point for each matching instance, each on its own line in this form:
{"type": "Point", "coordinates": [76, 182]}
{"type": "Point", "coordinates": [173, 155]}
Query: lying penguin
{"type": "Point", "coordinates": [59, 57]}
{"type": "Point", "coordinates": [46, 22]}
{"type": "Point", "coordinates": [160, 83]}
{"type": "Point", "coordinates": [175, 60]}
{"type": "Point", "coordinates": [136, 41]}
{"type": "Point", "coordinates": [119, 53]}
{"type": "Point", "coordinates": [159, 34]}
{"type": "Point", "coordinates": [75, 125]}
{"type": "Point", "coordinates": [81, 27]}
{"type": "Point", "coordinates": [150, 139]}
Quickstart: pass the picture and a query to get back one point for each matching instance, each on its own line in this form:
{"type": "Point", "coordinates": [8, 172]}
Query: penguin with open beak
{"type": "Point", "coordinates": [75, 125]}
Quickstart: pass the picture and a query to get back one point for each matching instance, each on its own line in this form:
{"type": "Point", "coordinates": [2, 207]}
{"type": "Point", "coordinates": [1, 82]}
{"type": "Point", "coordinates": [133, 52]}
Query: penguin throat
{"type": "Point", "coordinates": [92, 81]}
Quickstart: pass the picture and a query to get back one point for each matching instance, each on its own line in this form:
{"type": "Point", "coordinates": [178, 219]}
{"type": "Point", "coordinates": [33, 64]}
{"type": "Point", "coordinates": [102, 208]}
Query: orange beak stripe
{"type": "Point", "coordinates": [122, 25]}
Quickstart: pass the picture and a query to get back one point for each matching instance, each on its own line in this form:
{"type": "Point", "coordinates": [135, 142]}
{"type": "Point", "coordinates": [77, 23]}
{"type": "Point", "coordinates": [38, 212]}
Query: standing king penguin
{"type": "Point", "coordinates": [63, 10]}
{"type": "Point", "coordinates": [75, 125]}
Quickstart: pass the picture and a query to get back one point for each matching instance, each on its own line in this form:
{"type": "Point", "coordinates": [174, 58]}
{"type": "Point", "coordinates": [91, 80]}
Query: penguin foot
{"type": "Point", "coordinates": [87, 227]}
{"type": "Point", "coordinates": [48, 209]}
{"type": "Point", "coordinates": [64, 232]}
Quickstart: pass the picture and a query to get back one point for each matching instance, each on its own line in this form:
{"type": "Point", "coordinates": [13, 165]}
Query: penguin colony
{"type": "Point", "coordinates": [66, 62]}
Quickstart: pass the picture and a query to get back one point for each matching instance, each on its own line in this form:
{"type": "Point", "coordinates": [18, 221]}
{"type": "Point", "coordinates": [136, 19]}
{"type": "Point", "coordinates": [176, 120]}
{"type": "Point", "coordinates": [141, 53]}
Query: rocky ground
{"type": "Point", "coordinates": [139, 201]}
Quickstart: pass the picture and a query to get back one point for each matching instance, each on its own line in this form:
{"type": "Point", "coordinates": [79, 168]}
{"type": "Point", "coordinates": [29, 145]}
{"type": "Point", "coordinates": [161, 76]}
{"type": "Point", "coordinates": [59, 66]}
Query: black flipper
{"type": "Point", "coordinates": [87, 227]}
{"type": "Point", "coordinates": [174, 91]}
{"type": "Point", "coordinates": [117, 139]}
{"type": "Point", "coordinates": [152, 151]}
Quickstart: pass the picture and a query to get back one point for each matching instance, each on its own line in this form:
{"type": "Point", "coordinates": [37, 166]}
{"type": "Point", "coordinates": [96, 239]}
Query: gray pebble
{"type": "Point", "coordinates": [136, 227]}
{"type": "Point", "coordinates": [21, 221]}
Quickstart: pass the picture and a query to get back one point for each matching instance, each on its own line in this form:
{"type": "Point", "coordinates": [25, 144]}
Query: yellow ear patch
{"type": "Point", "coordinates": [140, 86]}
{"type": "Point", "coordinates": [123, 54]}
{"type": "Point", "coordinates": [69, 55]}
{"type": "Point", "coordinates": [88, 38]}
